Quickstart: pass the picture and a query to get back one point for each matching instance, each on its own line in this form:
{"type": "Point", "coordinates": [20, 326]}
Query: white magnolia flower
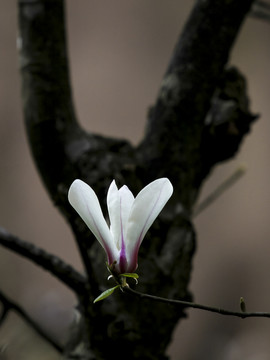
{"type": "Point", "coordinates": [130, 218]}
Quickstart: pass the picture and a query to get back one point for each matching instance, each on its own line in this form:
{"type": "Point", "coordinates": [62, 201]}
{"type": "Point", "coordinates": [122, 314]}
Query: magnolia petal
{"type": "Point", "coordinates": [84, 200]}
{"type": "Point", "coordinates": [119, 204]}
{"type": "Point", "coordinates": [126, 202]}
{"type": "Point", "coordinates": [113, 203]}
{"type": "Point", "coordinates": [146, 207]}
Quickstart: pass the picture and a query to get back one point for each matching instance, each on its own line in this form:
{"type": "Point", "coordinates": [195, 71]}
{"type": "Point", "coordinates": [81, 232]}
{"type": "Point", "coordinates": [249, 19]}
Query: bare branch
{"type": "Point", "coordinates": [57, 267]}
{"type": "Point", "coordinates": [56, 140]}
{"type": "Point", "coordinates": [225, 185]}
{"type": "Point", "coordinates": [174, 138]}
{"type": "Point", "coordinates": [188, 304]}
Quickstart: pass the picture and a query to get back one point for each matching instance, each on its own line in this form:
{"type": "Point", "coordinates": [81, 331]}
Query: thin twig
{"type": "Point", "coordinates": [57, 267]}
{"type": "Point", "coordinates": [196, 306]}
{"type": "Point", "coordinates": [10, 305]}
{"type": "Point", "coordinates": [225, 185]}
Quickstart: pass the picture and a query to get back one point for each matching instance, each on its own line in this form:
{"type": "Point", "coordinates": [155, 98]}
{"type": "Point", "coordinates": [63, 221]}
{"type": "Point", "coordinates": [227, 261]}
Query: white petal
{"type": "Point", "coordinates": [126, 201]}
{"type": "Point", "coordinates": [119, 203]}
{"type": "Point", "coordinates": [113, 203]}
{"type": "Point", "coordinates": [146, 207]}
{"type": "Point", "coordinates": [84, 200]}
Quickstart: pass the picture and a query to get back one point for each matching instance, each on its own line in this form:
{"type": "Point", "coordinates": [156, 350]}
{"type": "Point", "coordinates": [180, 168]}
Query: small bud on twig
{"type": "Point", "coordinates": [242, 304]}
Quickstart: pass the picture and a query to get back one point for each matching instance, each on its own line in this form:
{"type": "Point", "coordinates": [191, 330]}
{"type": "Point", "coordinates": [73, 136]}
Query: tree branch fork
{"type": "Point", "coordinates": [49, 138]}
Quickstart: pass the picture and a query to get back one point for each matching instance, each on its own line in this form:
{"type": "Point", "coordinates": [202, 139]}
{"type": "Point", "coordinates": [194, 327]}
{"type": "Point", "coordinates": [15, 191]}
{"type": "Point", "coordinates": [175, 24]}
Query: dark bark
{"type": "Point", "coordinates": [178, 144]}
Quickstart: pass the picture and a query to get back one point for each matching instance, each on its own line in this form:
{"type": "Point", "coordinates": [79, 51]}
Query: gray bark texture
{"type": "Point", "coordinates": [200, 117]}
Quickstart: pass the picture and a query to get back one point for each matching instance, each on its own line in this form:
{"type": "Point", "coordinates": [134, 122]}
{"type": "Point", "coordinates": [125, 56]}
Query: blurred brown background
{"type": "Point", "coordinates": [119, 51]}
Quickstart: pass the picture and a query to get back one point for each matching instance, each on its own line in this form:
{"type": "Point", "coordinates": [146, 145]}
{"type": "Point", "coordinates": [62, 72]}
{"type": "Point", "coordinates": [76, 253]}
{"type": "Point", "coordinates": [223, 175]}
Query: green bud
{"type": "Point", "coordinates": [242, 304]}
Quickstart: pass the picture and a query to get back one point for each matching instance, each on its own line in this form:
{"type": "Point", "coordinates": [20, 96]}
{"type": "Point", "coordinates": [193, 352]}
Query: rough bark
{"type": "Point", "coordinates": [182, 142]}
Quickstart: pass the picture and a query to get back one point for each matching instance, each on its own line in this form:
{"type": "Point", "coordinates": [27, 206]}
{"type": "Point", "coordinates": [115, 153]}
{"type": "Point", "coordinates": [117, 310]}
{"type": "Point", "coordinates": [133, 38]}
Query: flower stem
{"type": "Point", "coordinates": [196, 306]}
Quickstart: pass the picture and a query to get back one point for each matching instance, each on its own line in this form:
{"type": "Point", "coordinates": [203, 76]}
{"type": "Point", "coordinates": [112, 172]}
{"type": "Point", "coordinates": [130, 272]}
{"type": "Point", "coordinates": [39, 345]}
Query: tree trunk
{"type": "Point", "coordinates": [184, 140]}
